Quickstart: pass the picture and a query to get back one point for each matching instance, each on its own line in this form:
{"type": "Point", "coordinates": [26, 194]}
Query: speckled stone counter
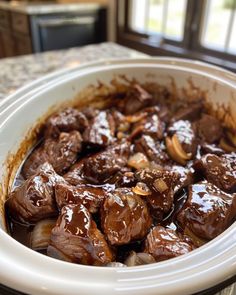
{"type": "Point", "coordinates": [18, 71]}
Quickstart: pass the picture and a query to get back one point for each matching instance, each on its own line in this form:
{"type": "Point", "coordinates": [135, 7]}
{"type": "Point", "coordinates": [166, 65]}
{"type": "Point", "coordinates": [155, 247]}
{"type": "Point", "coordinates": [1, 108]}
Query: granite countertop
{"type": "Point", "coordinates": [18, 71]}
{"type": "Point", "coordinates": [47, 8]}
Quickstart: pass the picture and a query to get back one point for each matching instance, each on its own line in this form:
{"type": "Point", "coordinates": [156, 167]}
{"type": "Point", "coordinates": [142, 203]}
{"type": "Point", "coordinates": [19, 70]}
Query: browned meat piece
{"type": "Point", "coordinates": [124, 179]}
{"type": "Point", "coordinates": [101, 130]}
{"type": "Point", "coordinates": [103, 165]}
{"type": "Point", "coordinates": [208, 210]}
{"type": "Point", "coordinates": [150, 125]}
{"type": "Point", "coordinates": [186, 176]}
{"type": "Point", "coordinates": [89, 196]}
{"type": "Point", "coordinates": [209, 129]}
{"type": "Point", "coordinates": [161, 184]}
{"type": "Point", "coordinates": [191, 112]}
{"type": "Point", "coordinates": [61, 153]}
{"type": "Point", "coordinates": [76, 238]}
{"type": "Point", "coordinates": [75, 175]}
{"type": "Point", "coordinates": [220, 171]}
{"type": "Point", "coordinates": [124, 217]}
{"type": "Point", "coordinates": [165, 243]}
{"type": "Point", "coordinates": [154, 150]}
{"type": "Point", "coordinates": [211, 149]}
{"type": "Point", "coordinates": [186, 135]}
{"type": "Point", "coordinates": [34, 199]}
{"type": "Point", "coordinates": [67, 120]}
{"type": "Point", "coordinates": [136, 99]}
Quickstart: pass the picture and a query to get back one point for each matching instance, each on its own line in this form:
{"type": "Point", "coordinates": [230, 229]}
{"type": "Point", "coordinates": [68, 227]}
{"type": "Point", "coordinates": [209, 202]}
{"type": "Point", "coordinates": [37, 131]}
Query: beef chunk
{"type": "Point", "coordinates": [186, 176]}
{"type": "Point", "coordinates": [34, 199]}
{"type": "Point", "coordinates": [67, 120]}
{"type": "Point", "coordinates": [164, 243]}
{"type": "Point", "coordinates": [190, 113]}
{"type": "Point", "coordinates": [124, 217]}
{"type": "Point", "coordinates": [75, 175]}
{"type": "Point", "coordinates": [211, 149]}
{"type": "Point", "coordinates": [151, 125]}
{"type": "Point", "coordinates": [136, 99]}
{"type": "Point", "coordinates": [154, 150]}
{"type": "Point", "coordinates": [101, 166]}
{"type": "Point", "coordinates": [61, 153]}
{"type": "Point", "coordinates": [101, 130]}
{"type": "Point", "coordinates": [76, 238]}
{"type": "Point", "coordinates": [186, 135]}
{"type": "Point", "coordinates": [208, 210]}
{"type": "Point", "coordinates": [209, 129]}
{"type": "Point", "coordinates": [89, 196]}
{"type": "Point", "coordinates": [161, 184]}
{"type": "Point", "coordinates": [220, 171]}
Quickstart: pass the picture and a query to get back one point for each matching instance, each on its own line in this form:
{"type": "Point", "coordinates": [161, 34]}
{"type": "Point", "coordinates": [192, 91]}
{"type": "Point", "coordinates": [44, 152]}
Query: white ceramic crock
{"type": "Point", "coordinates": [33, 273]}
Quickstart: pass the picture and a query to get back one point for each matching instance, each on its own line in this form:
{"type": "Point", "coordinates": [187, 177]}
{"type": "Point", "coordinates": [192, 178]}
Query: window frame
{"type": "Point", "coordinates": [189, 47]}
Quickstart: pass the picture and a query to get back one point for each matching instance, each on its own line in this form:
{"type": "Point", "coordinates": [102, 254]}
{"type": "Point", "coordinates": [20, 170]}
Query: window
{"type": "Point", "coordinates": [199, 29]}
{"type": "Point", "coordinates": [161, 17]}
{"type": "Point", "coordinates": [219, 26]}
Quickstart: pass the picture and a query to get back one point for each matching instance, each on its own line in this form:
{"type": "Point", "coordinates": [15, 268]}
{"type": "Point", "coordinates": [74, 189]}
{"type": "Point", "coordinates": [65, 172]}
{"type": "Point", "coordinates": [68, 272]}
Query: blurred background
{"type": "Point", "coordinates": [202, 29]}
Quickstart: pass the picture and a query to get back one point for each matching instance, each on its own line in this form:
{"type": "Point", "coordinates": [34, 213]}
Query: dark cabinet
{"type": "Point", "coordinates": [22, 33]}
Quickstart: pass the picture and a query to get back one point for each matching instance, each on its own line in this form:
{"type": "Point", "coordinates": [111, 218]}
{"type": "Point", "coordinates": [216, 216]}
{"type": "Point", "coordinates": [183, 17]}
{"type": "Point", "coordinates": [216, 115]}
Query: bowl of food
{"type": "Point", "coordinates": [120, 178]}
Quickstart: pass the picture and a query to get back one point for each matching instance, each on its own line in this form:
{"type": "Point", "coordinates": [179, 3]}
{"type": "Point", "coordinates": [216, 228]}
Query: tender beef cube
{"type": "Point", "coordinates": [186, 134]}
{"type": "Point", "coordinates": [103, 165]}
{"type": "Point", "coordinates": [76, 238]}
{"type": "Point", "coordinates": [125, 179]}
{"type": "Point", "coordinates": [61, 153]}
{"type": "Point", "coordinates": [208, 210]}
{"type": "Point", "coordinates": [124, 217]}
{"type": "Point", "coordinates": [101, 130]}
{"type": "Point", "coordinates": [150, 125]}
{"type": "Point", "coordinates": [220, 171]}
{"type": "Point", "coordinates": [75, 175]}
{"type": "Point", "coordinates": [154, 150]}
{"type": "Point", "coordinates": [67, 120]}
{"type": "Point", "coordinates": [211, 149]}
{"type": "Point", "coordinates": [136, 99]}
{"type": "Point", "coordinates": [209, 129]}
{"type": "Point", "coordinates": [89, 196]}
{"type": "Point", "coordinates": [165, 243]}
{"type": "Point", "coordinates": [34, 199]}
{"type": "Point", "coordinates": [186, 176]}
{"type": "Point", "coordinates": [121, 122]}
{"type": "Point", "coordinates": [161, 184]}
{"type": "Point", "coordinates": [191, 112]}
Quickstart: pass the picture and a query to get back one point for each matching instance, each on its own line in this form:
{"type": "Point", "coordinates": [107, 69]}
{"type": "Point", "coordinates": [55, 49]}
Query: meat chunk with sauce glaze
{"type": "Point", "coordinates": [61, 153]}
{"type": "Point", "coordinates": [101, 130]}
{"type": "Point", "coordinates": [101, 166]}
{"type": "Point", "coordinates": [220, 171]}
{"type": "Point", "coordinates": [208, 210]}
{"type": "Point", "coordinates": [65, 121]}
{"type": "Point", "coordinates": [124, 217]}
{"type": "Point", "coordinates": [209, 129]}
{"type": "Point", "coordinates": [161, 184]}
{"type": "Point", "coordinates": [34, 199]}
{"type": "Point", "coordinates": [89, 196]}
{"type": "Point", "coordinates": [165, 243]}
{"type": "Point", "coordinates": [77, 239]}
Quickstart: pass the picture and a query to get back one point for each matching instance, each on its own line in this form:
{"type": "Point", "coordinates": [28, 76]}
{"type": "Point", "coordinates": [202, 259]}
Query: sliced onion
{"type": "Point", "coordinates": [135, 259]}
{"type": "Point", "coordinates": [141, 189]}
{"type": "Point", "coordinates": [135, 118]}
{"type": "Point", "coordinates": [179, 149]}
{"type": "Point", "coordinates": [172, 152]}
{"type": "Point", "coordinates": [160, 185]}
{"type": "Point", "coordinates": [41, 233]}
{"type": "Point", "coordinates": [116, 264]}
{"type": "Point", "coordinates": [138, 161]}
